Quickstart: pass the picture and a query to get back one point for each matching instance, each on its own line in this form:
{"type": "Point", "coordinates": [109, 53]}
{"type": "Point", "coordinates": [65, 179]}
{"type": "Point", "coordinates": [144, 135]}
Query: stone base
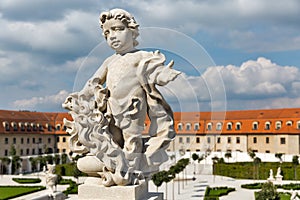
{"type": "Point", "coordinates": [279, 178]}
{"type": "Point", "coordinates": [133, 192]}
{"type": "Point", "coordinates": [53, 196]}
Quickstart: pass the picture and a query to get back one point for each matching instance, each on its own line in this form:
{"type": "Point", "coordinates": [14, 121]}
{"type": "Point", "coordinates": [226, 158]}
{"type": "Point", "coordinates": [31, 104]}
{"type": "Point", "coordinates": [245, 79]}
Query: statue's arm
{"type": "Point", "coordinates": [99, 78]}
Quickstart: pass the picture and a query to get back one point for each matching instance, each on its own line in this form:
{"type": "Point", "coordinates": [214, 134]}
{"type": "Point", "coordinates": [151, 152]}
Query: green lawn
{"type": "Point", "coordinates": [7, 192]}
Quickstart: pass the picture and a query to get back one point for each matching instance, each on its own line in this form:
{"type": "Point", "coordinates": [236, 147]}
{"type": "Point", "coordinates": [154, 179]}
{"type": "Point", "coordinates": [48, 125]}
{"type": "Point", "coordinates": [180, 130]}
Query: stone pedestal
{"type": "Point", "coordinates": [278, 178]}
{"type": "Point", "coordinates": [89, 191]}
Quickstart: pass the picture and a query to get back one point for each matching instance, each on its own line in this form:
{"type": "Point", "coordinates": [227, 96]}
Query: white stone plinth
{"type": "Point", "coordinates": [279, 178]}
{"type": "Point", "coordinates": [133, 192]}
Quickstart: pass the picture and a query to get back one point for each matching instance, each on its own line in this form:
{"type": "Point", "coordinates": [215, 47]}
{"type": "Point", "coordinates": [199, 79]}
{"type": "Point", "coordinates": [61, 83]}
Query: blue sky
{"type": "Point", "coordinates": [234, 54]}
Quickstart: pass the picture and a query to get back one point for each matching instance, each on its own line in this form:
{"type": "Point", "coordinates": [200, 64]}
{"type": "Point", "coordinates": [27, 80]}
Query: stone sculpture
{"type": "Point", "coordinates": [110, 111]}
{"type": "Point", "coordinates": [278, 176]}
{"type": "Point", "coordinates": [271, 176]}
{"type": "Point", "coordinates": [51, 178]}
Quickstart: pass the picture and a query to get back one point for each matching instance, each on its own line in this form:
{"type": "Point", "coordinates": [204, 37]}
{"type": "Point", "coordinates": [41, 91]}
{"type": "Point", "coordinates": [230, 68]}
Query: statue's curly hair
{"type": "Point", "coordinates": [125, 17]}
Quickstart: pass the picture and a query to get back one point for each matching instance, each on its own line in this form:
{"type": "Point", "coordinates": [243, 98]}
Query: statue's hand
{"type": "Point", "coordinates": [167, 74]}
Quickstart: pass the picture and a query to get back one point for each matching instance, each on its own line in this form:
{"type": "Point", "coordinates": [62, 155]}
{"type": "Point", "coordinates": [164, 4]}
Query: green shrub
{"type": "Point", "coordinates": [252, 186]}
{"type": "Point", "coordinates": [72, 189]}
{"type": "Point", "coordinates": [27, 180]}
{"type": "Point", "coordinates": [268, 191]}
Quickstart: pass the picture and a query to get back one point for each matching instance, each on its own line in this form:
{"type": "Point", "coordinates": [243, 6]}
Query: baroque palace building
{"type": "Point", "coordinates": [264, 131]}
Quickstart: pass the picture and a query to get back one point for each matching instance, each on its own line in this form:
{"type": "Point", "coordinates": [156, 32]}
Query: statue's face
{"type": "Point", "coordinates": [118, 36]}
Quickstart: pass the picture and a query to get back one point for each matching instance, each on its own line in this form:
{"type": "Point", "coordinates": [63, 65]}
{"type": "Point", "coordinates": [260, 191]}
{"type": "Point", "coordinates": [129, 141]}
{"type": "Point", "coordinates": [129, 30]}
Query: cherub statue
{"type": "Point", "coordinates": [110, 111]}
{"type": "Point", "coordinates": [51, 177]}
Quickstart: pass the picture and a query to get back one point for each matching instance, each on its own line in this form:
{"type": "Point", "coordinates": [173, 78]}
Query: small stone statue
{"type": "Point", "coordinates": [51, 178]}
{"type": "Point", "coordinates": [278, 175]}
{"type": "Point", "coordinates": [271, 176]}
{"type": "Point", "coordinates": [110, 111]}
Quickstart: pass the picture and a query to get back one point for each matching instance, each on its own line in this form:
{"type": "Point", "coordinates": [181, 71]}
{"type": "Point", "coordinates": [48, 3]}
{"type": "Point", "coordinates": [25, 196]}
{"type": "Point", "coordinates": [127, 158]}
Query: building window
{"type": "Point", "coordinates": [21, 152]}
{"type": "Point", "coordinates": [254, 140]}
{"type": "Point", "coordinates": [22, 140]}
{"type": "Point", "coordinates": [188, 127]}
{"type": "Point", "coordinates": [238, 140]}
{"type": "Point", "coordinates": [49, 140]}
{"type": "Point", "coordinates": [22, 126]}
{"type": "Point", "coordinates": [6, 152]}
{"type": "Point", "coordinates": [197, 140]}
{"type": "Point", "coordinates": [298, 125]}
{"type": "Point", "coordinates": [219, 126]}
{"type": "Point", "coordinates": [255, 125]}
{"type": "Point", "coordinates": [34, 128]}
{"type": "Point", "coordinates": [238, 126]}
{"type": "Point", "coordinates": [40, 140]}
{"type": "Point", "coordinates": [64, 139]}
{"type": "Point", "coordinates": [229, 140]}
{"type": "Point", "coordinates": [27, 151]}
{"type": "Point", "coordinates": [208, 140]}
{"type": "Point", "coordinates": [28, 127]}
{"type": "Point", "coordinates": [14, 140]}
{"type": "Point", "coordinates": [33, 151]}
{"type": "Point", "coordinates": [267, 125]}
{"type": "Point", "coordinates": [33, 140]}
{"type": "Point", "coordinates": [15, 126]}
{"type": "Point", "coordinates": [64, 150]}
{"type": "Point", "coordinates": [180, 139]}
{"type": "Point", "coordinates": [179, 127]}
{"type": "Point", "coordinates": [6, 140]}
{"type": "Point", "coordinates": [65, 128]}
{"type": "Point", "coordinates": [278, 125]}
{"type": "Point", "coordinates": [289, 123]}
{"type": "Point", "coordinates": [219, 140]}
{"type": "Point", "coordinates": [49, 127]}
{"type": "Point", "coordinates": [6, 126]}
{"type": "Point", "coordinates": [57, 139]}
{"type": "Point", "coordinates": [187, 140]}
{"type": "Point", "coordinates": [40, 127]}
{"type": "Point", "coordinates": [196, 126]}
{"type": "Point", "coordinates": [267, 140]}
{"type": "Point", "coordinates": [229, 126]}
{"type": "Point", "coordinates": [209, 126]}
{"type": "Point", "coordinates": [267, 151]}
{"type": "Point", "coordinates": [57, 127]}
{"type": "Point", "coordinates": [282, 141]}
{"type": "Point", "coordinates": [28, 140]}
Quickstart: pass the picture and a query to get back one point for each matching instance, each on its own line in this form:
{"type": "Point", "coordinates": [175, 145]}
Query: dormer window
{"type": "Point", "coordinates": [254, 125]}
{"type": "Point", "coordinates": [298, 124]}
{"type": "Point", "coordinates": [22, 126]}
{"type": "Point", "coordinates": [209, 126]}
{"type": "Point", "coordinates": [188, 127]}
{"type": "Point", "coordinates": [229, 126]}
{"type": "Point", "coordinates": [219, 126]}
{"type": "Point", "coordinates": [15, 126]}
{"type": "Point", "coordinates": [28, 127]}
{"type": "Point", "coordinates": [196, 126]}
{"type": "Point", "coordinates": [179, 127]}
{"type": "Point", "coordinates": [267, 125]}
{"type": "Point", "coordinates": [40, 127]}
{"type": "Point", "coordinates": [289, 123]}
{"type": "Point", "coordinates": [34, 127]}
{"type": "Point", "coordinates": [238, 126]}
{"type": "Point", "coordinates": [278, 125]}
{"type": "Point", "coordinates": [57, 127]}
{"type": "Point", "coordinates": [49, 127]}
{"type": "Point", "coordinates": [6, 126]}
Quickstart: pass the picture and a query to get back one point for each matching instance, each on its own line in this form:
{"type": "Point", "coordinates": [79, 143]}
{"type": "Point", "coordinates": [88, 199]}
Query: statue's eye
{"type": "Point", "coordinates": [106, 33]}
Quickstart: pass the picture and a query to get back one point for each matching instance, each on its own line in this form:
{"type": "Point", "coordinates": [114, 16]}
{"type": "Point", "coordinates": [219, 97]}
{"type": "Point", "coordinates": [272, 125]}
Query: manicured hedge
{"type": "Point", "coordinates": [291, 186]}
{"type": "Point", "coordinates": [248, 170]}
{"type": "Point", "coordinates": [215, 193]}
{"type": "Point", "coordinates": [27, 180]}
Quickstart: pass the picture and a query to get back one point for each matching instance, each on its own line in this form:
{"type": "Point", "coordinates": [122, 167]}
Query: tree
{"type": "Point", "coordinates": [295, 163]}
{"type": "Point", "coordinates": [256, 162]}
{"type": "Point", "coordinates": [268, 191]}
{"type": "Point", "coordinates": [64, 158]}
{"type": "Point", "coordinates": [228, 155]}
{"type": "Point", "coordinates": [195, 157]}
{"type": "Point", "coordinates": [15, 160]}
{"type": "Point", "coordinates": [159, 178]}
{"type": "Point", "coordinates": [279, 156]}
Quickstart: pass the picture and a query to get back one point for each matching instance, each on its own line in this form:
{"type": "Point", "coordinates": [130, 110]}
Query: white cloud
{"type": "Point", "coordinates": [41, 103]}
{"type": "Point", "coordinates": [259, 83]}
